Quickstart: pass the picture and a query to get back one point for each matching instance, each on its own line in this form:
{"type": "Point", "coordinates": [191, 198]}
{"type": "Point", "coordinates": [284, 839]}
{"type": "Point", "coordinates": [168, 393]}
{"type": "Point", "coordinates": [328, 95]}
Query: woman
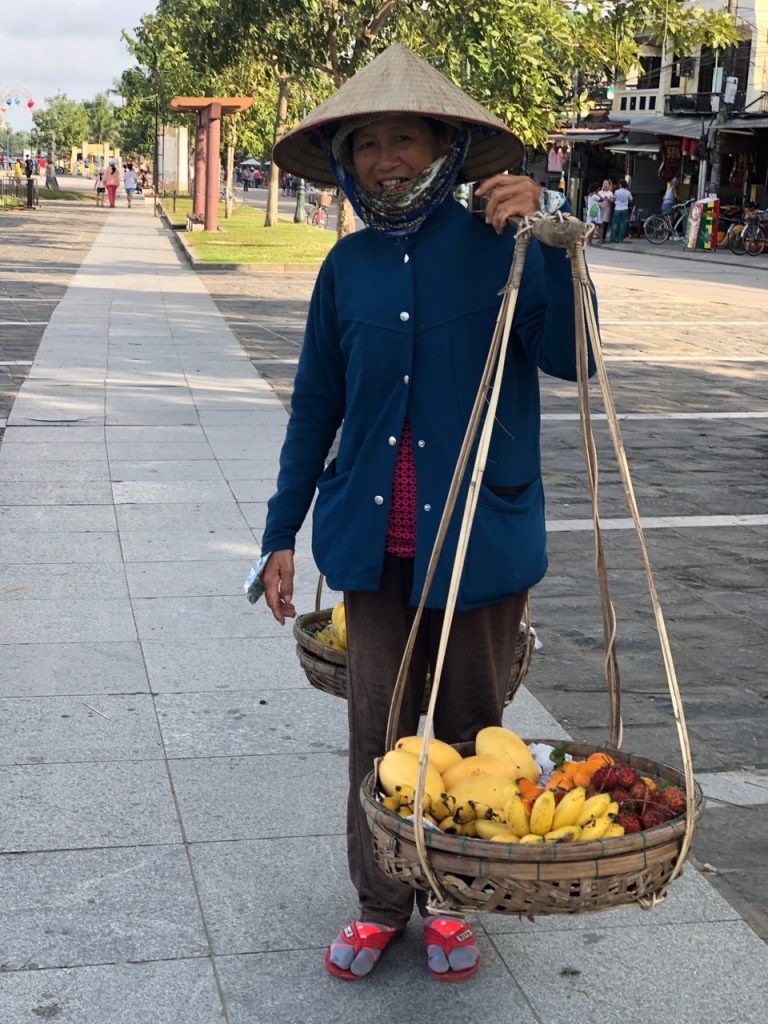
{"type": "Point", "coordinates": [605, 199]}
{"type": "Point", "coordinates": [112, 180]}
{"type": "Point", "coordinates": [622, 200]}
{"type": "Point", "coordinates": [397, 335]}
{"type": "Point", "coordinates": [670, 199]}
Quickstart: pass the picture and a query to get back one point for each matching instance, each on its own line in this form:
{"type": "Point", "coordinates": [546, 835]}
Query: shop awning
{"type": "Point", "coordinates": [634, 147]}
{"type": "Point", "coordinates": [742, 124]}
{"type": "Point", "coordinates": [574, 135]}
{"type": "Point", "coordinates": [679, 127]}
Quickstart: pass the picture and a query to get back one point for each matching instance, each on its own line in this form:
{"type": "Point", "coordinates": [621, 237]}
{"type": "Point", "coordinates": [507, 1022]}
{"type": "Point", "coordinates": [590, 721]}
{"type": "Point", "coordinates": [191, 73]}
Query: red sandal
{"type": "Point", "coordinates": [359, 937]}
{"type": "Point", "coordinates": [450, 941]}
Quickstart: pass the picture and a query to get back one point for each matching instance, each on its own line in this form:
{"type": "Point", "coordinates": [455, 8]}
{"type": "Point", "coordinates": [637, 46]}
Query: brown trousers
{"type": "Point", "coordinates": [477, 665]}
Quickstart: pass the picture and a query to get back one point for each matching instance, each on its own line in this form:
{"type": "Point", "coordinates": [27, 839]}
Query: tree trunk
{"type": "Point", "coordinates": [345, 225]}
{"type": "Point", "coordinates": [230, 180]}
{"type": "Point", "coordinates": [50, 166]}
{"type": "Point", "coordinates": [274, 171]}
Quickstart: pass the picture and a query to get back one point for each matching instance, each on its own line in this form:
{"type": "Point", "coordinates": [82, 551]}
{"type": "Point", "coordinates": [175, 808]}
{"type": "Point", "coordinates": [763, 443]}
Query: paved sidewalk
{"type": "Point", "coordinates": [172, 789]}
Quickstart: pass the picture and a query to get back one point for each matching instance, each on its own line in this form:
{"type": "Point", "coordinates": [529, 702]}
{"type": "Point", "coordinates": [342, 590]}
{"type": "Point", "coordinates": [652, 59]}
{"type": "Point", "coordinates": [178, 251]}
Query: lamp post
{"type": "Point", "coordinates": [301, 187]}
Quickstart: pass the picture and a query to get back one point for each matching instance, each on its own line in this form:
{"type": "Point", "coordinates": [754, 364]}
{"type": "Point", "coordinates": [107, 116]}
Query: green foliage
{"type": "Point", "coordinates": [101, 118]}
{"type": "Point", "coordinates": [67, 118]}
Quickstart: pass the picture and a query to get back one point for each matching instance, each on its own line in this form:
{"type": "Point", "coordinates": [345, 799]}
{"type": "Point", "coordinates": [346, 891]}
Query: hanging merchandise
{"type": "Point", "coordinates": [30, 103]}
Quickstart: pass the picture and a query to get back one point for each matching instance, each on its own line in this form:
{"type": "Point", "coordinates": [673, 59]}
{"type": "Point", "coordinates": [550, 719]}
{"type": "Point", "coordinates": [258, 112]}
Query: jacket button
{"type": "Point", "coordinates": [378, 500]}
{"type": "Point", "coordinates": [406, 258]}
{"type": "Point", "coordinates": [405, 316]}
{"type": "Point", "coordinates": [421, 444]}
{"type": "Point", "coordinates": [393, 441]}
{"type": "Point", "coordinates": [406, 379]}
{"type": "Point", "coordinates": [427, 508]}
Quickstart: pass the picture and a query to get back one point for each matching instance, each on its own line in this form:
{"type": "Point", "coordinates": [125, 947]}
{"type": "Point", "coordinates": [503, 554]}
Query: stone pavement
{"type": "Point", "coordinates": [172, 789]}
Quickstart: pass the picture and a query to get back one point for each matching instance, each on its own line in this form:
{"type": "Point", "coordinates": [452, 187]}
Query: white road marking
{"type": "Point", "coordinates": [23, 323]}
{"type": "Point", "coordinates": [574, 416]}
{"type": "Point", "coordinates": [677, 323]}
{"type": "Point", "coordinates": [656, 523]}
{"type": "Point", "coordinates": [694, 359]}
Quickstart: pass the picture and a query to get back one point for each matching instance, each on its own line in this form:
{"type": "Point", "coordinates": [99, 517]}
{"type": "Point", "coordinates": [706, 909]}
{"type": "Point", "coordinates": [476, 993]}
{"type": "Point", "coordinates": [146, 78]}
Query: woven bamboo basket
{"type": "Point", "coordinates": [326, 668]}
{"type": "Point", "coordinates": [553, 878]}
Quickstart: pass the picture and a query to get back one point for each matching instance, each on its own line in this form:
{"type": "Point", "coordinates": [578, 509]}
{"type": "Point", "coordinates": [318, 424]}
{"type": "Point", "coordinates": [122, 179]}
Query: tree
{"type": "Point", "coordinates": [67, 118]}
{"type": "Point", "coordinates": [101, 118]}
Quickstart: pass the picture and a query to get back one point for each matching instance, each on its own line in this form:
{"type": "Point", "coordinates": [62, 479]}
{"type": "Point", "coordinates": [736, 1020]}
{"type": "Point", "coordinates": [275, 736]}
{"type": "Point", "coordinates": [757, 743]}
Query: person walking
{"type": "Point", "coordinates": [112, 181]}
{"type": "Point", "coordinates": [592, 213]}
{"type": "Point", "coordinates": [130, 183]}
{"type": "Point", "coordinates": [398, 331]}
{"type": "Point", "coordinates": [622, 198]}
{"type": "Point", "coordinates": [671, 198]}
{"type": "Point", "coordinates": [605, 202]}
{"type": "Point", "coordinates": [100, 188]}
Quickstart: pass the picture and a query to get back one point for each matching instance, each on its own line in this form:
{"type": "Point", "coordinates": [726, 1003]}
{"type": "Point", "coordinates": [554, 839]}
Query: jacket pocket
{"type": "Point", "coordinates": [507, 549]}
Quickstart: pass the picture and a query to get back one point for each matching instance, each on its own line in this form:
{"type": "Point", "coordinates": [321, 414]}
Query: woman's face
{"type": "Point", "coordinates": [390, 152]}
{"type": "Point", "coordinates": [607, 184]}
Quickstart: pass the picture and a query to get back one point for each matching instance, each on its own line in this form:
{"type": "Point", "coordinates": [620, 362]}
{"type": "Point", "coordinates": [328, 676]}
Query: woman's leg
{"type": "Point", "coordinates": [377, 628]}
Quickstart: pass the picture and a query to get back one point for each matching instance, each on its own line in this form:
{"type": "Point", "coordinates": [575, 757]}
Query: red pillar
{"type": "Point", "coordinates": [213, 165]}
{"type": "Point", "coordinates": [198, 207]}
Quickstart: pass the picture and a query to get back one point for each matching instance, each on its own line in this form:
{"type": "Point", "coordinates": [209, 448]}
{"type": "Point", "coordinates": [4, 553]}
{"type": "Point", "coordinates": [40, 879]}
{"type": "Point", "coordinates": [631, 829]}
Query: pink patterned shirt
{"type": "Point", "coordinates": [401, 530]}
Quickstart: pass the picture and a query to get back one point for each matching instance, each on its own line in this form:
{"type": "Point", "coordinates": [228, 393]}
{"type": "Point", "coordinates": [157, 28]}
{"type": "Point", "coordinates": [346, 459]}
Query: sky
{"type": "Point", "coordinates": [71, 46]}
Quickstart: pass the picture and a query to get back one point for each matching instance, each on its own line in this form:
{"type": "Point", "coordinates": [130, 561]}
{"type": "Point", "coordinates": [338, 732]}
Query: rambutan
{"type": "Point", "coordinates": [619, 795]}
{"type": "Point", "coordinates": [605, 779]}
{"type": "Point", "coordinates": [640, 793]}
{"type": "Point", "coordinates": [673, 798]}
{"type": "Point", "coordinates": [655, 815]}
{"type": "Point", "coordinates": [629, 821]}
{"type": "Point", "coordinates": [627, 776]}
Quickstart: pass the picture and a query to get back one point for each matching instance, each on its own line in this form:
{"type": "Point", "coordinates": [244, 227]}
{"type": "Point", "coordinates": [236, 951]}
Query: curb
{"type": "Point", "coordinates": [202, 266]}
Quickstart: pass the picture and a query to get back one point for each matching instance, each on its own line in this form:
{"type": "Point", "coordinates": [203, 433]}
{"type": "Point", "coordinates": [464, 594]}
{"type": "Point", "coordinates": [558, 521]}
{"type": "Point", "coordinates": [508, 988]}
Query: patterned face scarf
{"type": "Point", "coordinates": [400, 211]}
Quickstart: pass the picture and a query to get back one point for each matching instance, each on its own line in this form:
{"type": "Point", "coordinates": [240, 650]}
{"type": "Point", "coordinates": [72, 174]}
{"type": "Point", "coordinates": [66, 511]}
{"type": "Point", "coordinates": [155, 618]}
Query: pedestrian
{"type": "Point", "coordinates": [622, 199]}
{"type": "Point", "coordinates": [246, 179]}
{"type": "Point", "coordinates": [112, 179]}
{"type": "Point", "coordinates": [100, 188]}
{"type": "Point", "coordinates": [398, 331]}
{"type": "Point", "coordinates": [130, 183]}
{"type": "Point", "coordinates": [555, 164]}
{"type": "Point", "coordinates": [29, 167]}
{"type": "Point", "coordinates": [605, 201]}
{"type": "Point", "coordinates": [18, 170]}
{"type": "Point", "coordinates": [670, 199]}
{"type": "Point", "coordinates": [592, 213]}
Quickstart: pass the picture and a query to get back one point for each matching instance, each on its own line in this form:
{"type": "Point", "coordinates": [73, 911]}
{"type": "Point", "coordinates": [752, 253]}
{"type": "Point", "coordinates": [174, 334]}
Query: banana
{"type": "Point", "coordinates": [339, 622]}
{"type": "Point", "coordinates": [401, 768]}
{"type": "Point", "coordinates": [488, 829]}
{"type": "Point", "coordinates": [443, 807]}
{"type": "Point", "coordinates": [596, 829]}
{"type": "Point", "coordinates": [613, 808]}
{"type": "Point", "coordinates": [450, 827]}
{"type": "Point", "coordinates": [531, 838]}
{"type": "Point", "coordinates": [505, 837]}
{"type": "Point", "coordinates": [499, 742]}
{"type": "Point", "coordinates": [614, 831]}
{"type": "Point", "coordinates": [564, 834]}
{"type": "Point", "coordinates": [473, 810]}
{"type": "Point", "coordinates": [439, 754]}
{"type": "Point", "coordinates": [569, 808]}
{"type": "Point", "coordinates": [477, 765]}
{"type": "Point", "coordinates": [392, 803]}
{"type": "Point", "coordinates": [543, 813]}
{"type": "Point", "coordinates": [469, 828]}
{"type": "Point", "coordinates": [518, 820]}
{"type": "Point", "coordinates": [595, 807]}
{"type": "Point", "coordinates": [485, 789]}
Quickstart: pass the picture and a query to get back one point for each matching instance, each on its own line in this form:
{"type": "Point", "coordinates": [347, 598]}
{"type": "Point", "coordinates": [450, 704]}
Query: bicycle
{"type": "Point", "coordinates": [660, 227]}
{"type": "Point", "coordinates": [754, 237]}
{"type": "Point", "coordinates": [316, 212]}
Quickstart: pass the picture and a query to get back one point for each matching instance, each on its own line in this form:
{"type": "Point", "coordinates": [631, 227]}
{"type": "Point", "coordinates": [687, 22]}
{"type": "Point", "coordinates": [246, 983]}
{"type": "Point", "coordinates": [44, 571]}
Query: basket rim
{"type": "Point", "coordinates": [670, 832]}
{"type": "Point", "coordinates": [303, 636]}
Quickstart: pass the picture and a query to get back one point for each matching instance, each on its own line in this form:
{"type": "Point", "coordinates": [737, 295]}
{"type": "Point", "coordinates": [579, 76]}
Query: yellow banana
{"type": "Point", "coordinates": [595, 829]}
{"type": "Point", "coordinates": [439, 754]}
{"type": "Point", "coordinates": [613, 808]}
{"type": "Point", "coordinates": [401, 768]}
{"type": "Point", "coordinates": [443, 806]}
{"type": "Point", "coordinates": [569, 808]}
{"type": "Point", "coordinates": [339, 622]}
{"type": "Point", "coordinates": [469, 828]}
{"type": "Point", "coordinates": [614, 831]}
{"type": "Point", "coordinates": [595, 807]}
{"type": "Point", "coordinates": [531, 838]}
{"type": "Point", "coordinates": [450, 827]}
{"type": "Point", "coordinates": [564, 834]}
{"type": "Point", "coordinates": [505, 837]}
{"type": "Point", "coordinates": [543, 813]}
{"type": "Point", "coordinates": [499, 742]}
{"type": "Point", "coordinates": [472, 810]}
{"type": "Point", "coordinates": [516, 816]}
{"type": "Point", "coordinates": [488, 829]}
{"type": "Point", "coordinates": [392, 803]}
{"type": "Point", "coordinates": [405, 810]}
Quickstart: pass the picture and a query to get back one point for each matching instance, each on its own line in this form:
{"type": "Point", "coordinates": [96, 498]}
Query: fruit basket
{"type": "Point", "coordinates": [477, 875]}
{"type": "Point", "coordinates": [540, 872]}
{"type": "Point", "coordinates": [326, 667]}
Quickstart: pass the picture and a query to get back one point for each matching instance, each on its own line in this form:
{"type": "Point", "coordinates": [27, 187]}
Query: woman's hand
{"type": "Point", "coordinates": [509, 195]}
{"type": "Point", "coordinates": [278, 585]}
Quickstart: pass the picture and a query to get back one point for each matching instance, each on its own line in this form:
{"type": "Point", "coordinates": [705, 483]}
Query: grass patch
{"type": "Point", "coordinates": [64, 194]}
{"type": "Point", "coordinates": [244, 239]}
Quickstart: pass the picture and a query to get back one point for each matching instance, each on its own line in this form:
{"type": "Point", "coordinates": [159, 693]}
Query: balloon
{"type": "Point", "coordinates": [17, 101]}
{"type": "Point", "coordinates": [3, 108]}
{"type": "Point", "coordinates": [9, 101]}
{"type": "Point", "coordinates": [30, 103]}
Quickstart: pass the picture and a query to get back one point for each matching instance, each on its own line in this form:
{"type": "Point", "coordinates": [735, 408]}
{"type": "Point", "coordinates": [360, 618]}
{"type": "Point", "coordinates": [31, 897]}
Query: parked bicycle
{"type": "Point", "coordinates": [659, 227]}
{"type": "Point", "coordinates": [316, 208]}
{"type": "Point", "coordinates": [754, 237]}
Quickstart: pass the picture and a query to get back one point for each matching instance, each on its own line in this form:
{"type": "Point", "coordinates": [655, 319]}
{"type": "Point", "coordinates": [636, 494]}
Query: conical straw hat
{"type": "Point", "coordinates": [399, 82]}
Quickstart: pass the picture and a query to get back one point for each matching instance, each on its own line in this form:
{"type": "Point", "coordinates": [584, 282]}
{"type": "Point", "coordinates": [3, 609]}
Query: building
{"type": "Point", "coordinates": [700, 117]}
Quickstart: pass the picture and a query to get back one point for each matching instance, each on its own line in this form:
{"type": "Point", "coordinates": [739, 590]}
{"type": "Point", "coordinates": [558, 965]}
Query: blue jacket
{"type": "Point", "coordinates": [402, 327]}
